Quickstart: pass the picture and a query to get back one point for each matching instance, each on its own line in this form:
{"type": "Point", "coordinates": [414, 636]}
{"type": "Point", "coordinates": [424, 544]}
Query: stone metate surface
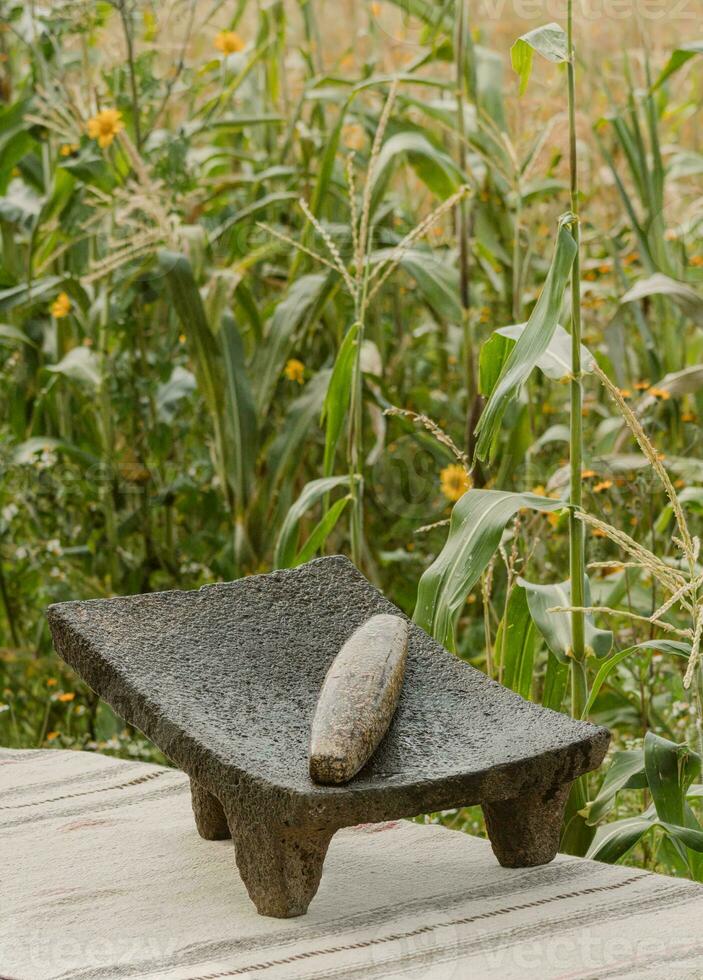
{"type": "Point", "coordinates": [225, 680]}
{"type": "Point", "coordinates": [358, 699]}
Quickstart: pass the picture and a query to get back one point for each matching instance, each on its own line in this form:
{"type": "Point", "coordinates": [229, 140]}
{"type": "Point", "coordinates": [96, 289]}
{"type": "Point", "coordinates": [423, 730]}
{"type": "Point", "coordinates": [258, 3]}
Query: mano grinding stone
{"type": "Point", "coordinates": [358, 699]}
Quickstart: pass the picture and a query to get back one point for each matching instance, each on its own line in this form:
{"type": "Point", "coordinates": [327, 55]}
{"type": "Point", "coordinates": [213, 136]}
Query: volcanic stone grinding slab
{"type": "Point", "coordinates": [225, 681]}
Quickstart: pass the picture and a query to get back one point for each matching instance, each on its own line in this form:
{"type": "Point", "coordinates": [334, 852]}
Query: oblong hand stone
{"type": "Point", "coordinates": [358, 699]}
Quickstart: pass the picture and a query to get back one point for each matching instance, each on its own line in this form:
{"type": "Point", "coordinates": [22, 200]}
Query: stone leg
{"type": "Point", "coordinates": [280, 866]}
{"type": "Point", "coordinates": [525, 831]}
{"type": "Point", "coordinates": [210, 818]}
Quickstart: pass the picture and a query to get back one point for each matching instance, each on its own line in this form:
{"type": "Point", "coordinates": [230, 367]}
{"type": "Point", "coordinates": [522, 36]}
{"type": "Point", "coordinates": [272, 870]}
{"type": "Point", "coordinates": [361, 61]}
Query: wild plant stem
{"type": "Point", "coordinates": [107, 436]}
{"type": "Point", "coordinates": [577, 556]}
{"type": "Point", "coordinates": [463, 224]}
{"type": "Point", "coordinates": [9, 611]}
{"type": "Point", "coordinates": [129, 42]}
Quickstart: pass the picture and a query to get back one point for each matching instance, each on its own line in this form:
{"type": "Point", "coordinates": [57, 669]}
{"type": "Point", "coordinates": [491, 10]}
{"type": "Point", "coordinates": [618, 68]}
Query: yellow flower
{"type": "Point", "coordinates": [697, 261]}
{"type": "Point", "coordinates": [294, 370]}
{"type": "Point", "coordinates": [603, 485]}
{"type": "Point", "coordinates": [67, 149]}
{"type": "Point", "coordinates": [61, 306]}
{"type": "Point", "coordinates": [625, 392]}
{"type": "Point", "coordinates": [104, 126]}
{"type": "Point", "coordinates": [66, 696]}
{"type": "Point", "coordinates": [454, 481]}
{"type": "Point", "coordinates": [688, 416]}
{"type": "Point", "coordinates": [376, 9]}
{"type": "Point", "coordinates": [229, 42]}
{"type": "Point", "coordinates": [641, 385]}
{"type": "Point", "coordinates": [660, 393]}
{"type": "Point", "coordinates": [588, 474]}
{"type": "Point", "coordinates": [50, 736]}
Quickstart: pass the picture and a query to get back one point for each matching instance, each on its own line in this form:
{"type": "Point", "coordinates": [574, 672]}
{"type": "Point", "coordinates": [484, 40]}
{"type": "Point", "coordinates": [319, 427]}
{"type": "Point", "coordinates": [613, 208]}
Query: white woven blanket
{"type": "Point", "coordinates": [102, 876]}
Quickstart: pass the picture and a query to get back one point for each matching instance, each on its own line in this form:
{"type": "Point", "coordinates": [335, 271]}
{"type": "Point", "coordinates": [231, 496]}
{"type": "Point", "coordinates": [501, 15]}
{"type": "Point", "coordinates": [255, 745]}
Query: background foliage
{"type": "Point", "coordinates": [262, 266]}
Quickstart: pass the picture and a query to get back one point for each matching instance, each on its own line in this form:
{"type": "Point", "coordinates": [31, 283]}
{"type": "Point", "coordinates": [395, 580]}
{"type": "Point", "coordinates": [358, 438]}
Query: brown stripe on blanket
{"type": "Point", "coordinates": [519, 881]}
{"type": "Point", "coordinates": [411, 933]}
{"type": "Point", "coordinates": [97, 806]}
{"type": "Point", "coordinates": [144, 778]}
{"type": "Point", "coordinates": [571, 922]}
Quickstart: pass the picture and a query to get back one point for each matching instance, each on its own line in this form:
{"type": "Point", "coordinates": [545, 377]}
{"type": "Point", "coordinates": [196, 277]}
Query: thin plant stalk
{"type": "Point", "coordinates": [463, 224]}
{"type": "Point", "coordinates": [125, 18]}
{"type": "Point", "coordinates": [577, 556]}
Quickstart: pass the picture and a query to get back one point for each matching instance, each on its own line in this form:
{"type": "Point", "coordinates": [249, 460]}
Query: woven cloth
{"type": "Point", "coordinates": [104, 876]}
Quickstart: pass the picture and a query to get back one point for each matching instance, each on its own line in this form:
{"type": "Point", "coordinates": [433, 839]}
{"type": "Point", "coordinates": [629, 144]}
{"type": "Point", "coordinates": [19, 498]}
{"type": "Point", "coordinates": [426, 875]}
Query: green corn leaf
{"type": "Point", "coordinates": [555, 362]}
{"type": "Point", "coordinates": [670, 770]}
{"type": "Point", "coordinates": [26, 452]}
{"type": "Point", "coordinates": [80, 364]}
{"type": "Point", "coordinates": [625, 771]}
{"type": "Point", "coordinates": [516, 641]}
{"type": "Point", "coordinates": [434, 167]}
{"type": "Point", "coordinates": [240, 405]}
{"type": "Point", "coordinates": [476, 527]}
{"type": "Point", "coordinates": [555, 627]}
{"type": "Point", "coordinates": [614, 841]}
{"type": "Point", "coordinates": [532, 343]}
{"type": "Point", "coordinates": [667, 646]}
{"type": "Point", "coordinates": [14, 335]}
{"type": "Point", "coordinates": [437, 280]}
{"type": "Point", "coordinates": [189, 309]}
{"type": "Point", "coordinates": [169, 394]}
{"type": "Point", "coordinates": [312, 493]}
{"type": "Point", "coordinates": [678, 59]}
{"type": "Point", "coordinates": [338, 397]}
{"type": "Point", "coordinates": [300, 416]}
{"type": "Point", "coordinates": [322, 531]}
{"type": "Point", "coordinates": [33, 292]}
{"type": "Point", "coordinates": [556, 680]}
{"type": "Point", "coordinates": [689, 300]}
{"type": "Point", "coordinates": [288, 316]}
{"type": "Point", "coordinates": [549, 41]}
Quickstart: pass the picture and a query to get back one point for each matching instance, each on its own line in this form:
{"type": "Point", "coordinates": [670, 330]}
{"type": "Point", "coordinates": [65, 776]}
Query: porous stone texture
{"type": "Point", "coordinates": [358, 699]}
{"type": "Point", "coordinates": [525, 831]}
{"type": "Point", "coordinates": [225, 681]}
{"type": "Point", "coordinates": [210, 817]}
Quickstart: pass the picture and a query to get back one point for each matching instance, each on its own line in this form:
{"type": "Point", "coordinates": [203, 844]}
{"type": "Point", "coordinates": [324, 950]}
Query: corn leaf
{"type": "Point", "coordinates": [626, 771]}
{"type": "Point", "coordinates": [667, 646]}
{"type": "Point", "coordinates": [532, 343]}
{"type": "Point", "coordinates": [549, 41]}
{"type": "Point", "coordinates": [322, 531]}
{"type": "Point", "coordinates": [689, 301]}
{"type": "Point", "coordinates": [337, 399]}
{"type": "Point", "coordinates": [516, 641]}
{"type": "Point", "coordinates": [476, 527]}
{"type": "Point", "coordinates": [287, 318]}
{"type": "Point", "coordinates": [80, 364]}
{"type": "Point", "coordinates": [433, 166]}
{"type": "Point", "coordinates": [312, 493]}
{"type": "Point", "coordinates": [241, 414]}
{"type": "Point", "coordinates": [678, 59]}
{"type": "Point", "coordinates": [555, 627]}
{"type": "Point", "coordinates": [670, 770]}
